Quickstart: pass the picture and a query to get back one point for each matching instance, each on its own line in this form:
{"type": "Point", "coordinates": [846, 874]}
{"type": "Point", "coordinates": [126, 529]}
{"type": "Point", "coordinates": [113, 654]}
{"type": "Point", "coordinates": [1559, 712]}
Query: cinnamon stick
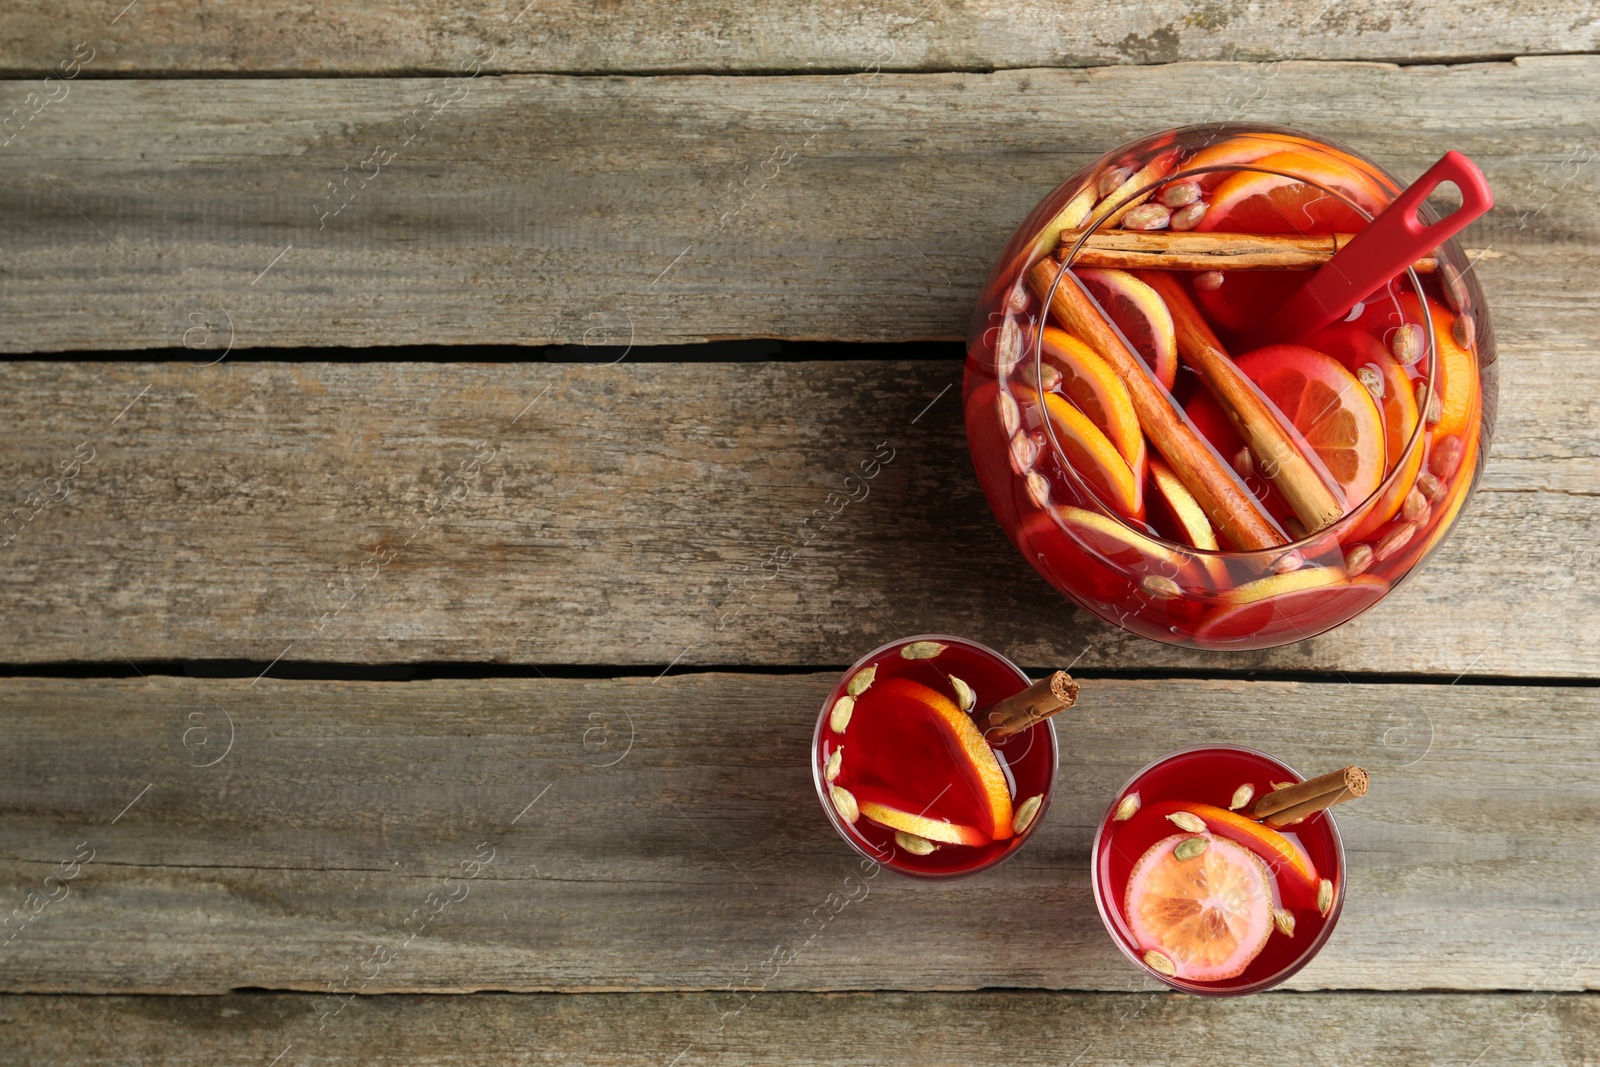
{"type": "Point", "coordinates": [1233, 510]}
{"type": "Point", "coordinates": [1018, 712]}
{"type": "Point", "coordinates": [1281, 807]}
{"type": "Point", "coordinates": [1178, 250]}
{"type": "Point", "coordinates": [1281, 453]}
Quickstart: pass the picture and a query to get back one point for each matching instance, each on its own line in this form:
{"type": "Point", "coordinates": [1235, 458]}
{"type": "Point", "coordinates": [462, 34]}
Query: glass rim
{"type": "Point", "coordinates": [1319, 541]}
{"type": "Point", "coordinates": [846, 831]}
{"type": "Point", "coordinates": [1313, 947]}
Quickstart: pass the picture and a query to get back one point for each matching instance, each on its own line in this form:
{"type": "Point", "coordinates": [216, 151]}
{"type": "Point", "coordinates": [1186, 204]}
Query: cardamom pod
{"type": "Point", "coordinates": [839, 717]}
{"type": "Point", "coordinates": [845, 802]}
{"type": "Point", "coordinates": [917, 846]}
{"type": "Point", "coordinates": [1160, 963]}
{"type": "Point", "coordinates": [1188, 820]}
{"type": "Point", "coordinates": [1026, 814]}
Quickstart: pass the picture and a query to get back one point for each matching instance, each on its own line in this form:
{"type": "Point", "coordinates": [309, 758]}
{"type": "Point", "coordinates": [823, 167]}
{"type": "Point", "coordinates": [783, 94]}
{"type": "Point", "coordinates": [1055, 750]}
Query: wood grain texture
{"type": "Point", "coordinates": [647, 514]}
{"type": "Point", "coordinates": [1354, 1029]}
{"type": "Point", "coordinates": [714, 35]}
{"type": "Point", "coordinates": [666, 835]}
{"type": "Point", "coordinates": [532, 210]}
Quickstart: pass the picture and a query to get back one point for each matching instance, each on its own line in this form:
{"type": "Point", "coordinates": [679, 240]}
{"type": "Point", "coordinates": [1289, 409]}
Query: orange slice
{"type": "Point", "coordinates": [1251, 202]}
{"type": "Point", "coordinates": [1110, 541]}
{"type": "Point", "coordinates": [1094, 388]}
{"type": "Point", "coordinates": [1356, 348]}
{"type": "Point", "coordinates": [1446, 510]}
{"type": "Point", "coordinates": [967, 745]}
{"type": "Point", "coordinates": [1187, 514]}
{"type": "Point", "coordinates": [1142, 316]}
{"type": "Point", "coordinates": [1210, 915]}
{"type": "Point", "coordinates": [1233, 151]}
{"type": "Point", "coordinates": [950, 833]}
{"type": "Point", "coordinates": [1281, 855]}
{"type": "Point", "coordinates": [1457, 383]}
{"type": "Point", "coordinates": [1093, 456]}
{"type": "Point", "coordinates": [1309, 601]}
{"type": "Point", "coordinates": [1333, 411]}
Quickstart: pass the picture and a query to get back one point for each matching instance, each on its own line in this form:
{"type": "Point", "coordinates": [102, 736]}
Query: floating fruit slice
{"type": "Point", "coordinates": [1186, 512]}
{"type": "Point", "coordinates": [1252, 147]}
{"type": "Point", "coordinates": [1111, 542]}
{"type": "Point", "coordinates": [1140, 314]}
{"type": "Point", "coordinates": [1281, 855]}
{"type": "Point", "coordinates": [1356, 349]}
{"type": "Point", "coordinates": [966, 747]}
{"type": "Point", "coordinates": [1233, 151]}
{"type": "Point", "coordinates": [950, 833]}
{"type": "Point", "coordinates": [1457, 385]}
{"type": "Point", "coordinates": [1307, 601]}
{"type": "Point", "coordinates": [1096, 390]}
{"type": "Point", "coordinates": [1333, 411]}
{"type": "Point", "coordinates": [1253, 202]}
{"type": "Point", "coordinates": [1210, 914]}
{"type": "Point", "coordinates": [1092, 455]}
{"type": "Point", "coordinates": [1460, 482]}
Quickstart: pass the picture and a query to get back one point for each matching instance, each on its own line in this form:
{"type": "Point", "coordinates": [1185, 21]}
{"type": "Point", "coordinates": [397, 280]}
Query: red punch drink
{"type": "Point", "coordinates": [907, 777]}
{"type": "Point", "coordinates": [1156, 444]}
{"type": "Point", "coordinates": [1201, 894]}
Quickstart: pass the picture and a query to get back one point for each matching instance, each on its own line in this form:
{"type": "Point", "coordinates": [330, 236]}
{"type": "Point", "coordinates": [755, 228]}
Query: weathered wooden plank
{"type": "Point", "coordinates": [665, 835]}
{"type": "Point", "coordinates": [345, 36]}
{"type": "Point", "coordinates": [530, 210]}
{"type": "Point", "coordinates": [1355, 1029]}
{"type": "Point", "coordinates": [652, 514]}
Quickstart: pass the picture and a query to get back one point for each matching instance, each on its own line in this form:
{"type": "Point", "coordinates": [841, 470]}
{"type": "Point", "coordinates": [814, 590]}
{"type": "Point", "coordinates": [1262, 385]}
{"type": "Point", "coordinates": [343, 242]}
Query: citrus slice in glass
{"type": "Point", "coordinates": [1253, 202]}
{"type": "Point", "coordinates": [1188, 517]}
{"type": "Point", "coordinates": [1109, 541]}
{"type": "Point", "coordinates": [1281, 855]}
{"type": "Point", "coordinates": [926, 761]}
{"type": "Point", "coordinates": [1457, 369]}
{"type": "Point", "coordinates": [1209, 914]}
{"type": "Point", "coordinates": [1356, 348]}
{"type": "Point", "coordinates": [950, 833]}
{"type": "Point", "coordinates": [1096, 390]}
{"type": "Point", "coordinates": [1309, 600]}
{"type": "Point", "coordinates": [1142, 316]}
{"type": "Point", "coordinates": [1333, 411]}
{"type": "Point", "coordinates": [1092, 455]}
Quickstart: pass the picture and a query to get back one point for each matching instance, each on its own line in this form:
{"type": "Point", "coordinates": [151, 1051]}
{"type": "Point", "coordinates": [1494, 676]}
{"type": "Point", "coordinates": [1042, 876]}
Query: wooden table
{"type": "Point", "coordinates": [310, 631]}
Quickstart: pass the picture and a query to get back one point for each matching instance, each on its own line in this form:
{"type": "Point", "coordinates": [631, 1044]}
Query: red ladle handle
{"type": "Point", "coordinates": [1387, 246]}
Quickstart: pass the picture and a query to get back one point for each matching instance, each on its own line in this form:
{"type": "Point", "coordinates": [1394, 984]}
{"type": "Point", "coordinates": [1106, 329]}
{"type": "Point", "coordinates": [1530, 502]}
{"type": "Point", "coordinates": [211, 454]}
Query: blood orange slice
{"type": "Point", "coordinates": [1094, 388]}
{"type": "Point", "coordinates": [1253, 202]}
{"type": "Point", "coordinates": [1333, 411]}
{"type": "Point", "coordinates": [1142, 316]}
{"type": "Point", "coordinates": [1093, 457]}
{"type": "Point", "coordinates": [1210, 914]}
